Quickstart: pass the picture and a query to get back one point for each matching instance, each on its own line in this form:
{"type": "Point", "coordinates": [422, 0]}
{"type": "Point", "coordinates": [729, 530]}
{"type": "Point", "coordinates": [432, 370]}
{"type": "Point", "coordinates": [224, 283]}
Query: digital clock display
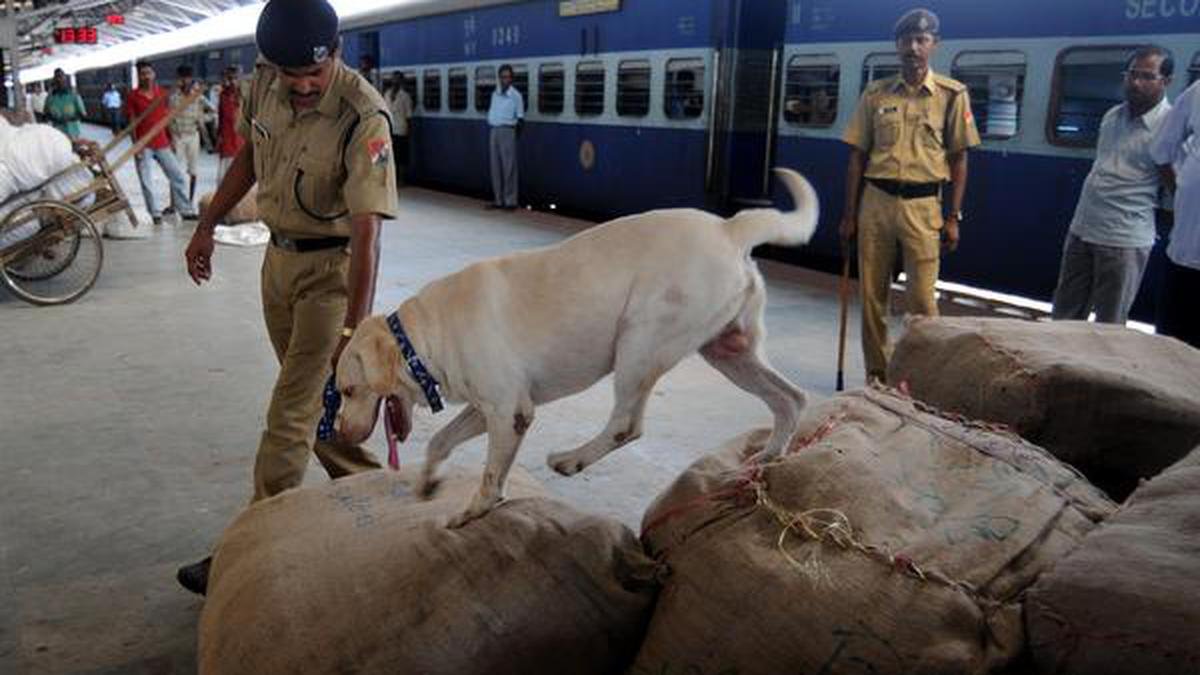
{"type": "Point", "coordinates": [75, 35]}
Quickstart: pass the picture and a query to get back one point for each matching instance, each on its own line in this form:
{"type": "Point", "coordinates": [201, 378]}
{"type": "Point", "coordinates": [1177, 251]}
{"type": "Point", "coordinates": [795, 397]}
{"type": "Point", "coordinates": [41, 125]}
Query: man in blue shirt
{"type": "Point", "coordinates": [1113, 232]}
{"type": "Point", "coordinates": [505, 116]}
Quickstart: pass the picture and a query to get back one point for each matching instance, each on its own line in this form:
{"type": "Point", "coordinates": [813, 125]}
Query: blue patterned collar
{"type": "Point", "coordinates": [427, 382]}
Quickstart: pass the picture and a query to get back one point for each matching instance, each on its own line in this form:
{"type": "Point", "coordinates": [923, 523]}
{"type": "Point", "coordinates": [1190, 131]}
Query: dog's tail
{"type": "Point", "coordinates": [770, 226]}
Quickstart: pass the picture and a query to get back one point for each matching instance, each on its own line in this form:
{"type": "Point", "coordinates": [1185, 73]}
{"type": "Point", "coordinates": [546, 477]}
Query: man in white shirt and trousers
{"type": "Point", "coordinates": [1176, 149]}
{"type": "Point", "coordinates": [1112, 233]}
{"type": "Point", "coordinates": [505, 116]}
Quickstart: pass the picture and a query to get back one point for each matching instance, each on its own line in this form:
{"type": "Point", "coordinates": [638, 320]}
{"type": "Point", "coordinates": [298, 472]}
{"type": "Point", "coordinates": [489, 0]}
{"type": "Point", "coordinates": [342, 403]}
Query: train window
{"type": "Point", "coordinates": [589, 88]}
{"type": "Point", "coordinates": [432, 91]}
{"type": "Point", "coordinates": [456, 89]}
{"type": "Point", "coordinates": [1194, 69]}
{"type": "Point", "coordinates": [1087, 82]}
{"type": "Point", "coordinates": [633, 88]}
{"type": "Point", "coordinates": [485, 84]}
{"type": "Point", "coordinates": [550, 88]}
{"type": "Point", "coordinates": [683, 95]}
{"type": "Point", "coordinates": [878, 66]}
{"type": "Point", "coordinates": [521, 83]}
{"type": "Point", "coordinates": [408, 80]}
{"type": "Point", "coordinates": [996, 81]}
{"type": "Point", "coordinates": [810, 97]}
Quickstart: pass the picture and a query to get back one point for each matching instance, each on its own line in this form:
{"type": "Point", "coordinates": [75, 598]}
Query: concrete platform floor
{"type": "Point", "coordinates": [129, 420]}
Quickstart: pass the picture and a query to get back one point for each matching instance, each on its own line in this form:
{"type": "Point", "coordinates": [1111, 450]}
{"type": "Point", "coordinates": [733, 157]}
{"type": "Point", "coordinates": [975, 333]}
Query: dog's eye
{"type": "Point", "coordinates": [349, 393]}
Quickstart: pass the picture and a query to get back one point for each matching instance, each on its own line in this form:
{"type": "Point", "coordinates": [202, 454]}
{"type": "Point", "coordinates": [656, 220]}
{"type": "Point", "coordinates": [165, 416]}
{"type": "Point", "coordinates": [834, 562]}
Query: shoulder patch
{"type": "Point", "coordinates": [379, 150]}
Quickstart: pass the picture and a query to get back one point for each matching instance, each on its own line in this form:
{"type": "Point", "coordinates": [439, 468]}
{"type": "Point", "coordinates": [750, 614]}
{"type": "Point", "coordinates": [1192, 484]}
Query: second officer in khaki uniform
{"type": "Point", "coordinates": [319, 148]}
{"type": "Point", "coordinates": [909, 135]}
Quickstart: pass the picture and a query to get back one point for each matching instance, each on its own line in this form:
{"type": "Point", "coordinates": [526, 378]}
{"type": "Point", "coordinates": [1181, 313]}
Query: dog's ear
{"type": "Point", "coordinates": [381, 363]}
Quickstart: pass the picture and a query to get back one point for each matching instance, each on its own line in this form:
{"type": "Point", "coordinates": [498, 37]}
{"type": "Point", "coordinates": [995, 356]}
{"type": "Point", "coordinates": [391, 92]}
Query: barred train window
{"type": "Point", "coordinates": [1194, 69]}
{"type": "Point", "coordinates": [485, 84]}
{"type": "Point", "coordinates": [456, 89]}
{"type": "Point", "coordinates": [589, 88]}
{"type": "Point", "coordinates": [996, 82]}
{"type": "Point", "coordinates": [550, 88]}
{"type": "Point", "coordinates": [878, 66]}
{"type": "Point", "coordinates": [1087, 82]}
{"type": "Point", "coordinates": [521, 84]}
{"type": "Point", "coordinates": [408, 81]}
{"type": "Point", "coordinates": [633, 88]}
{"type": "Point", "coordinates": [683, 90]}
{"type": "Point", "coordinates": [810, 97]}
{"type": "Point", "coordinates": [433, 90]}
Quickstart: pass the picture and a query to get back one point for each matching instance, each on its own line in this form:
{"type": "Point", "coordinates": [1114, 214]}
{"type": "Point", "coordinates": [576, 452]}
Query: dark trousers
{"type": "Point", "coordinates": [400, 153]}
{"type": "Point", "coordinates": [1177, 314]}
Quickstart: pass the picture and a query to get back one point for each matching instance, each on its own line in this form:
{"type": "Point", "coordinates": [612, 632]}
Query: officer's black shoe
{"type": "Point", "coordinates": [194, 577]}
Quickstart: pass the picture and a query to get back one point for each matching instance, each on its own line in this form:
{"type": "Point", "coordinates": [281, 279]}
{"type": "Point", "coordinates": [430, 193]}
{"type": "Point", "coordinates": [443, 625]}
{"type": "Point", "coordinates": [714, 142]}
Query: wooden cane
{"type": "Point", "coordinates": [843, 296]}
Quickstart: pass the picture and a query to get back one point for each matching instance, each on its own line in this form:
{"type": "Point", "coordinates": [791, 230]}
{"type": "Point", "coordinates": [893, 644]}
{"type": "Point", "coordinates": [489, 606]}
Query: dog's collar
{"type": "Point", "coordinates": [428, 384]}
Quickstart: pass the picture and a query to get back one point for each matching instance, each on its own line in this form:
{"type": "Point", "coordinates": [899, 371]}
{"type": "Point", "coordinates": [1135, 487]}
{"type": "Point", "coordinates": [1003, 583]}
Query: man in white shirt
{"type": "Point", "coordinates": [400, 105]}
{"type": "Point", "coordinates": [1112, 233]}
{"type": "Point", "coordinates": [1176, 149]}
{"type": "Point", "coordinates": [39, 103]}
{"type": "Point", "coordinates": [505, 116]}
{"type": "Point", "coordinates": [112, 108]}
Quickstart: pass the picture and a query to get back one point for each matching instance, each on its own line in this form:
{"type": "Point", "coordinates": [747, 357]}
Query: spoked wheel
{"type": "Point", "coordinates": [50, 252]}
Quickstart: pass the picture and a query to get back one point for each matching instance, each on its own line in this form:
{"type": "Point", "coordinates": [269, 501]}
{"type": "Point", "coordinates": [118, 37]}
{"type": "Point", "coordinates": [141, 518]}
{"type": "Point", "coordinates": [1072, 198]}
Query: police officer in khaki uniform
{"type": "Point", "coordinates": [909, 135]}
{"type": "Point", "coordinates": [319, 148]}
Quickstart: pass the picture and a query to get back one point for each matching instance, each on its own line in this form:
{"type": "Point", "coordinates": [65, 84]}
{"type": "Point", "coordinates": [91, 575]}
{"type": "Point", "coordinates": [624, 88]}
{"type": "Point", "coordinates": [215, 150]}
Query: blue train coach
{"type": "Point", "coordinates": [640, 104]}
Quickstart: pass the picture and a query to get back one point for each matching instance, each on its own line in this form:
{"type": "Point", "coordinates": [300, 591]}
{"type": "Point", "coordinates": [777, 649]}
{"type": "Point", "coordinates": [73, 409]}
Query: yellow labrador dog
{"type": "Point", "coordinates": [630, 297]}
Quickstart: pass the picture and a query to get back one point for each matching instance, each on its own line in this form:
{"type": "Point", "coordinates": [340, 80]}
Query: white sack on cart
{"type": "Point", "coordinates": [31, 154]}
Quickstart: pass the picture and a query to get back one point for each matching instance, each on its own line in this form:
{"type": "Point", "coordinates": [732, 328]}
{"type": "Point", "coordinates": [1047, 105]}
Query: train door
{"type": "Point", "coordinates": [368, 56]}
{"type": "Point", "coordinates": [746, 101]}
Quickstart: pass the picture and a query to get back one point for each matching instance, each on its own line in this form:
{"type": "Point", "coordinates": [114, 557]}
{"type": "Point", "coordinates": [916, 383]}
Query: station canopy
{"type": "Point", "coordinates": [127, 30]}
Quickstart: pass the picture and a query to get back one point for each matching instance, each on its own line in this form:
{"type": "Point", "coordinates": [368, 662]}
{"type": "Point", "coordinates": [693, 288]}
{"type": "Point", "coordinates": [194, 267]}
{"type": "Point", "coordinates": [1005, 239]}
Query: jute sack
{"type": "Point", "coordinates": [886, 540]}
{"type": "Point", "coordinates": [1117, 404]}
{"type": "Point", "coordinates": [245, 211]}
{"type": "Point", "coordinates": [360, 576]}
{"type": "Point", "coordinates": [1128, 600]}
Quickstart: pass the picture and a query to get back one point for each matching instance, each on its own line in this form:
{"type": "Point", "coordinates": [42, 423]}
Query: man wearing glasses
{"type": "Point", "coordinates": [1111, 235]}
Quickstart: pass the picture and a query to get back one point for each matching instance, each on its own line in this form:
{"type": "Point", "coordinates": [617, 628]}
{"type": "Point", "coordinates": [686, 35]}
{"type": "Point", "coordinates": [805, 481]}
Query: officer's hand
{"type": "Point", "coordinates": [199, 255]}
{"type": "Point", "coordinates": [848, 228]}
{"type": "Point", "coordinates": [950, 234]}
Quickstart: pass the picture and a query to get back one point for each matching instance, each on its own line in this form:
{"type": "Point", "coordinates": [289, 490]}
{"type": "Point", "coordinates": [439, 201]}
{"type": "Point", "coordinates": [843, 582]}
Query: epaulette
{"type": "Point", "coordinates": [949, 83]}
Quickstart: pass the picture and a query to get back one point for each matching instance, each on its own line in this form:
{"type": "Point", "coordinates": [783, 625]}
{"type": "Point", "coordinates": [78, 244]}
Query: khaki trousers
{"type": "Point", "coordinates": [883, 222]}
{"type": "Point", "coordinates": [304, 299]}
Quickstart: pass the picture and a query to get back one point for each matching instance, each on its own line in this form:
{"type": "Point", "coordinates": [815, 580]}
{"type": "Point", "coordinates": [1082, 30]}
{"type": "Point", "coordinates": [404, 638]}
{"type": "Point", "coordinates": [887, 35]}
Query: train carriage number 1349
{"type": "Point", "coordinates": [1161, 9]}
{"type": "Point", "coordinates": [511, 35]}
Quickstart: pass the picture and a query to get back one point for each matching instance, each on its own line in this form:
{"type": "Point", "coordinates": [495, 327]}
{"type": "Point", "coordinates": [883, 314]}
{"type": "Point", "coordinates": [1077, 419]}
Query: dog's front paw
{"type": "Point", "coordinates": [566, 463]}
{"type": "Point", "coordinates": [479, 508]}
{"type": "Point", "coordinates": [427, 487]}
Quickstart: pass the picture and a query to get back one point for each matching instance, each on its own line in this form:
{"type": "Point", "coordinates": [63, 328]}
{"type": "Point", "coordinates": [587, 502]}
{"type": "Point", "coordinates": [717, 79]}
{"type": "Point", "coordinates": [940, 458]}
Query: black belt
{"type": "Point", "coordinates": [308, 245]}
{"type": "Point", "coordinates": [906, 190]}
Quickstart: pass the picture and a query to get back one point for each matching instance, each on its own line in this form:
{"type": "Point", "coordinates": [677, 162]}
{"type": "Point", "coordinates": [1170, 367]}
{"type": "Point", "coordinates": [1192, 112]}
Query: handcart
{"type": "Point", "coordinates": [50, 247]}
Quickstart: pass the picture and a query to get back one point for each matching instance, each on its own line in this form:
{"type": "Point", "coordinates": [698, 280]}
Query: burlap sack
{"type": "Point", "coordinates": [887, 540]}
{"type": "Point", "coordinates": [246, 210]}
{"type": "Point", "coordinates": [1118, 404]}
{"type": "Point", "coordinates": [359, 576]}
{"type": "Point", "coordinates": [1128, 600]}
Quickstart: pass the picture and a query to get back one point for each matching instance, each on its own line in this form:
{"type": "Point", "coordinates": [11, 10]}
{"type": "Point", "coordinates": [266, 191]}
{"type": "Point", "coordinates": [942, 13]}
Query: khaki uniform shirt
{"type": "Point", "coordinates": [908, 132]}
{"type": "Point", "coordinates": [318, 167]}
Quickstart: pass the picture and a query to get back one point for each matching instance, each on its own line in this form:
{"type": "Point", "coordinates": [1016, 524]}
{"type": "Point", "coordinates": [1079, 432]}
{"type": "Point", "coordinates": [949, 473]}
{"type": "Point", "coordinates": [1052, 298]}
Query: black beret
{"type": "Point", "coordinates": [297, 33]}
{"type": "Point", "coordinates": [918, 20]}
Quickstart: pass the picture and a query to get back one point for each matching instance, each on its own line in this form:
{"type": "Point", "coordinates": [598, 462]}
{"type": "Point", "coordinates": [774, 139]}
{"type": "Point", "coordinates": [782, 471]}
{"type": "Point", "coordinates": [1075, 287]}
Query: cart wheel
{"type": "Point", "coordinates": [52, 252]}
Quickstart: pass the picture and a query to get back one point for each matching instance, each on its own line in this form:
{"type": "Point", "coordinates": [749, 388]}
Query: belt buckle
{"type": "Point", "coordinates": [283, 242]}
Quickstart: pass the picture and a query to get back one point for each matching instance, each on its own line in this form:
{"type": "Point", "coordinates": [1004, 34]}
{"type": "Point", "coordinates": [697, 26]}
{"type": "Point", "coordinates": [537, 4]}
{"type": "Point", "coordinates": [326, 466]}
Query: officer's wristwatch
{"type": "Point", "coordinates": [957, 215]}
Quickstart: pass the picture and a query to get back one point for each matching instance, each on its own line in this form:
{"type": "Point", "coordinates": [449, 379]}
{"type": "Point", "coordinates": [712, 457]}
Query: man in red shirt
{"type": "Point", "coordinates": [229, 109]}
{"type": "Point", "coordinates": [147, 95]}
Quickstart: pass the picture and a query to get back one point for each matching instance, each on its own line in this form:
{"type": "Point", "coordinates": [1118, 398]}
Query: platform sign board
{"type": "Point", "coordinates": [581, 7]}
